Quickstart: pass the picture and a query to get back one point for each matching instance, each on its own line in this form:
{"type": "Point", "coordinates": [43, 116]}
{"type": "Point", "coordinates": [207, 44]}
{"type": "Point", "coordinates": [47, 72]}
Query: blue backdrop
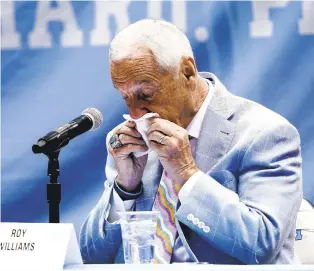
{"type": "Point", "coordinates": [55, 64]}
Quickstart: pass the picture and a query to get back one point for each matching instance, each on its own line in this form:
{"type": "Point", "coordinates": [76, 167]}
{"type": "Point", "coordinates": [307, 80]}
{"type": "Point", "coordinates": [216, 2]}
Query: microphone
{"type": "Point", "coordinates": [90, 119]}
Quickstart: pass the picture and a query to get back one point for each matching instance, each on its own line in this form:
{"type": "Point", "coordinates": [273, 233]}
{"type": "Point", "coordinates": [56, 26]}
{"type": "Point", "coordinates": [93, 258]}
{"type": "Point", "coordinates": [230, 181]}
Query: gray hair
{"type": "Point", "coordinates": [167, 43]}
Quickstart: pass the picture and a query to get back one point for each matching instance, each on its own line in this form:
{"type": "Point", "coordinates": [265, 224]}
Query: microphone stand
{"type": "Point", "coordinates": [53, 188]}
{"type": "Point", "coordinates": [51, 144]}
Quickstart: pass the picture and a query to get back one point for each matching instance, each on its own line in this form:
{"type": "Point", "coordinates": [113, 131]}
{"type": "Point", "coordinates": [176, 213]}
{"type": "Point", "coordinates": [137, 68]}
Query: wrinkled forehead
{"type": "Point", "coordinates": [134, 72]}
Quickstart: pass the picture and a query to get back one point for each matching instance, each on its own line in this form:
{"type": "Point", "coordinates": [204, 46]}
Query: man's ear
{"type": "Point", "coordinates": [189, 71]}
{"type": "Point", "coordinates": [188, 67]}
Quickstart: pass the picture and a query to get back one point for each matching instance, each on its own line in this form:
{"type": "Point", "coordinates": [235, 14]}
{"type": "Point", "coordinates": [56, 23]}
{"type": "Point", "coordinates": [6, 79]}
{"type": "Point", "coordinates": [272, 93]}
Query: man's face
{"type": "Point", "coordinates": [146, 88]}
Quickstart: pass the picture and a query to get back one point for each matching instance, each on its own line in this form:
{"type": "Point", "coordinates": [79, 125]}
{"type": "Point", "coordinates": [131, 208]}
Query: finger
{"type": "Point", "coordinates": [110, 149]}
{"type": "Point", "coordinates": [156, 136]}
{"type": "Point", "coordinates": [126, 139]}
{"type": "Point", "coordinates": [129, 148]}
{"type": "Point", "coordinates": [158, 148]}
{"type": "Point", "coordinates": [130, 124]}
{"type": "Point", "coordinates": [128, 131]}
{"type": "Point", "coordinates": [164, 126]}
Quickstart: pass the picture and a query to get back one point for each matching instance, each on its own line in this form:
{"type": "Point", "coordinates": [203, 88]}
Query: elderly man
{"type": "Point", "coordinates": [224, 172]}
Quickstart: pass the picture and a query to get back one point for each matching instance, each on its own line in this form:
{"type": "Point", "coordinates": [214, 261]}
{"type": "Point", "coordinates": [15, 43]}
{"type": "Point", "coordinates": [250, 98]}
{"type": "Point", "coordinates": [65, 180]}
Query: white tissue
{"type": "Point", "coordinates": [142, 127]}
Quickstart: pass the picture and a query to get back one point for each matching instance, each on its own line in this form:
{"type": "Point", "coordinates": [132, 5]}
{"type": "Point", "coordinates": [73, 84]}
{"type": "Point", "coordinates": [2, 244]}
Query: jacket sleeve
{"type": "Point", "coordinates": [100, 240]}
{"type": "Point", "coordinates": [252, 224]}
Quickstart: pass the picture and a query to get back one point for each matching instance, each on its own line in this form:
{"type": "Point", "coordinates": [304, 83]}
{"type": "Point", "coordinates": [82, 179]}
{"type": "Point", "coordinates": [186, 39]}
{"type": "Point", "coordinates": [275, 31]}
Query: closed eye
{"type": "Point", "coordinates": [145, 97]}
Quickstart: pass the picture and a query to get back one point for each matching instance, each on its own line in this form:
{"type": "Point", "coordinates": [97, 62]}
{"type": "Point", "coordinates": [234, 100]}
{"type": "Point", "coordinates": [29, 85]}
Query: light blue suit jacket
{"type": "Point", "coordinates": [248, 195]}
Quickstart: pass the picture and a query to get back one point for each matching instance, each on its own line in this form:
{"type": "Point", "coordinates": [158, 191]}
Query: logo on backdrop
{"type": "Point", "coordinates": [260, 26]}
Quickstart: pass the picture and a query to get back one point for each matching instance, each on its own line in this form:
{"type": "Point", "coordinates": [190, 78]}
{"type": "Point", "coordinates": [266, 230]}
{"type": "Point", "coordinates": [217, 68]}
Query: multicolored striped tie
{"type": "Point", "coordinates": [165, 202]}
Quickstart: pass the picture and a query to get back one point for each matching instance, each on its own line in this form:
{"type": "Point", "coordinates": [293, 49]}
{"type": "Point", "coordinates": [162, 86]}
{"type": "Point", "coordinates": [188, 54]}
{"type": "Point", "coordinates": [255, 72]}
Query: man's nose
{"type": "Point", "coordinates": [137, 112]}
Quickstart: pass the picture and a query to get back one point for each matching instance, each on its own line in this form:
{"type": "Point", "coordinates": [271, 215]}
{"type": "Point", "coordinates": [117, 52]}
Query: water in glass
{"type": "Point", "coordinates": [138, 234]}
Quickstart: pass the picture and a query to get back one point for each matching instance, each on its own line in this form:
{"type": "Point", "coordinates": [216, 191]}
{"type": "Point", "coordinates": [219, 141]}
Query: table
{"type": "Point", "coordinates": [188, 267]}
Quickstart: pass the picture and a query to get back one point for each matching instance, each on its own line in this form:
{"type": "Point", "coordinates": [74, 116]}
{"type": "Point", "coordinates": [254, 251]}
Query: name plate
{"type": "Point", "coordinates": [38, 246]}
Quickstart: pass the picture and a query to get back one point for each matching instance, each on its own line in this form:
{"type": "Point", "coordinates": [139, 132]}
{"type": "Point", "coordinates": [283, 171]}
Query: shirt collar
{"type": "Point", "coordinates": [194, 128]}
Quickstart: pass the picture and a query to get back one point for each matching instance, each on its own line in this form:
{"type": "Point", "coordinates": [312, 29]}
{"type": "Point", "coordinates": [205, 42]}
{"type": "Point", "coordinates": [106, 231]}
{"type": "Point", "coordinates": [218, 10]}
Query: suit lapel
{"type": "Point", "coordinates": [217, 131]}
{"type": "Point", "coordinates": [214, 140]}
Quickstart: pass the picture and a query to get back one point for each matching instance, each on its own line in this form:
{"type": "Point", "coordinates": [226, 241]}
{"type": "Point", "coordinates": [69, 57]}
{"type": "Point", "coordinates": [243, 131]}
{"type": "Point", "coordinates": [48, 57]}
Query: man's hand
{"type": "Point", "coordinates": [171, 143]}
{"type": "Point", "coordinates": [130, 169]}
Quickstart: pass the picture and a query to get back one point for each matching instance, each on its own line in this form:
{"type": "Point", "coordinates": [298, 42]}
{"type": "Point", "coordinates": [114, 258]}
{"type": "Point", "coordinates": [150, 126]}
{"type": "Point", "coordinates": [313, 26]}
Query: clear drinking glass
{"type": "Point", "coordinates": [138, 235]}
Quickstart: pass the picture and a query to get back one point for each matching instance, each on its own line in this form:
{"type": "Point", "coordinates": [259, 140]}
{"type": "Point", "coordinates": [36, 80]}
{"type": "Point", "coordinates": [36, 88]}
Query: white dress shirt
{"type": "Point", "coordinates": [193, 129]}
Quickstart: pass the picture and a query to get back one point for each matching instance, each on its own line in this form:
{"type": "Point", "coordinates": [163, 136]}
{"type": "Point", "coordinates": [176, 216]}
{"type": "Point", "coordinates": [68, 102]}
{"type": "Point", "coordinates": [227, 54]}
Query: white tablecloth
{"type": "Point", "coordinates": [186, 267]}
